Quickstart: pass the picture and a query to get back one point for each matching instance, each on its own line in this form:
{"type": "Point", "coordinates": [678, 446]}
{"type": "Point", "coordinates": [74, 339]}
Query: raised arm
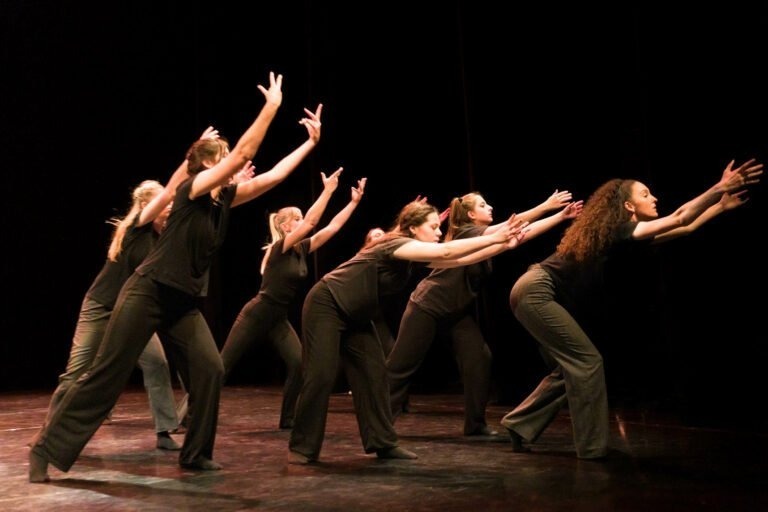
{"type": "Point", "coordinates": [556, 201]}
{"type": "Point", "coordinates": [333, 227]}
{"type": "Point", "coordinates": [732, 180]}
{"type": "Point", "coordinates": [150, 212]}
{"type": "Point", "coordinates": [246, 146]}
{"type": "Point", "coordinates": [265, 181]}
{"type": "Point", "coordinates": [315, 212]}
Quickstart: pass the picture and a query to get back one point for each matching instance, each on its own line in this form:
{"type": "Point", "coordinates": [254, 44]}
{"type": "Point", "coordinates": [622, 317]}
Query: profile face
{"type": "Point", "coordinates": [642, 204]}
{"type": "Point", "coordinates": [428, 231]}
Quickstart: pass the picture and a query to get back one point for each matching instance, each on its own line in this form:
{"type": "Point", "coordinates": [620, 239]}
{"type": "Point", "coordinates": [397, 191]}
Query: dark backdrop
{"type": "Point", "coordinates": [435, 99]}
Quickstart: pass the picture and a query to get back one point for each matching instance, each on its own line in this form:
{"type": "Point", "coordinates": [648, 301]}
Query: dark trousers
{"type": "Point", "coordinates": [577, 377]}
{"type": "Point", "coordinates": [262, 321]}
{"type": "Point", "coordinates": [143, 307]}
{"type": "Point", "coordinates": [328, 335]}
{"type": "Point", "coordinates": [417, 332]}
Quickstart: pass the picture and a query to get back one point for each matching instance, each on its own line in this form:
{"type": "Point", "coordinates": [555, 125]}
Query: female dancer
{"type": "Point", "coordinates": [284, 268]}
{"type": "Point", "coordinates": [337, 317]}
{"type": "Point", "coordinates": [551, 296]}
{"type": "Point", "coordinates": [444, 300]}
{"type": "Point", "coordinates": [161, 296]}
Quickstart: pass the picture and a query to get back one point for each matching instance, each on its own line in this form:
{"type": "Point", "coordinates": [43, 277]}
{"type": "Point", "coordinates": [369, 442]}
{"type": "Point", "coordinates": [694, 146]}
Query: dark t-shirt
{"type": "Point", "coordinates": [137, 243]}
{"type": "Point", "coordinates": [373, 274]}
{"type": "Point", "coordinates": [285, 272]}
{"type": "Point", "coordinates": [447, 291]}
{"type": "Point", "coordinates": [581, 287]}
{"type": "Point", "coordinates": [195, 229]}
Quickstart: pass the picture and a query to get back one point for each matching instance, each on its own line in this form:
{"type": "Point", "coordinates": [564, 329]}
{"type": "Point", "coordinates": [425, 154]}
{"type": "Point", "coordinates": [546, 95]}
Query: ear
{"type": "Point", "coordinates": [471, 215]}
{"type": "Point", "coordinates": [629, 206]}
{"type": "Point", "coordinates": [412, 229]}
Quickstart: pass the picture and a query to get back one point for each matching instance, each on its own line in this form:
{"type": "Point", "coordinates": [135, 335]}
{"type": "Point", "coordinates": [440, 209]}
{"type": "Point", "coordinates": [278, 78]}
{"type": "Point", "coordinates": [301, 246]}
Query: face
{"type": "Point", "coordinates": [429, 231]}
{"type": "Point", "coordinates": [290, 224]}
{"type": "Point", "coordinates": [482, 213]}
{"type": "Point", "coordinates": [641, 204]}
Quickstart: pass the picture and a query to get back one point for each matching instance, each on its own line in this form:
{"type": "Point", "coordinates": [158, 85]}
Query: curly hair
{"type": "Point", "coordinates": [595, 229]}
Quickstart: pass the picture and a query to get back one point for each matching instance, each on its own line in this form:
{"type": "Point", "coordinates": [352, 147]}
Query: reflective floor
{"type": "Point", "coordinates": [656, 464]}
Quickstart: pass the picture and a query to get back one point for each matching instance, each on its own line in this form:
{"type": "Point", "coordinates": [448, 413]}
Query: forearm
{"type": "Point", "coordinates": [268, 180]}
{"type": "Point", "coordinates": [709, 214]}
{"type": "Point", "coordinates": [534, 213]}
{"type": "Point", "coordinates": [475, 257]}
{"type": "Point", "coordinates": [251, 140]}
{"type": "Point", "coordinates": [539, 227]}
{"type": "Point", "coordinates": [694, 208]}
{"type": "Point", "coordinates": [343, 216]}
{"type": "Point", "coordinates": [315, 212]}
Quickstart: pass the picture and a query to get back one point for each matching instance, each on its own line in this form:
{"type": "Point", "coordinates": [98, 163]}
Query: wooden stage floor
{"type": "Point", "coordinates": [658, 464]}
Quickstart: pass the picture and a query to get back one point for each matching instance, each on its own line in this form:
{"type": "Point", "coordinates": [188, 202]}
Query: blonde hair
{"type": "Point", "coordinates": [141, 195]}
{"type": "Point", "coordinates": [278, 218]}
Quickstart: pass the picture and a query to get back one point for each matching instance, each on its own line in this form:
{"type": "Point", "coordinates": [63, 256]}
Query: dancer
{"type": "Point", "coordinates": [550, 299]}
{"type": "Point", "coordinates": [444, 301]}
{"type": "Point", "coordinates": [132, 238]}
{"type": "Point", "coordinates": [284, 268]}
{"type": "Point", "coordinates": [161, 296]}
{"type": "Point", "coordinates": [337, 318]}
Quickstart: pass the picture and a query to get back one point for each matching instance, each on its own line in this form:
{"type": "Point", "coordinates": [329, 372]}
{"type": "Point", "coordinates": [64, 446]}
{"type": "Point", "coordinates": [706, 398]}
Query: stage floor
{"type": "Point", "coordinates": [657, 464]}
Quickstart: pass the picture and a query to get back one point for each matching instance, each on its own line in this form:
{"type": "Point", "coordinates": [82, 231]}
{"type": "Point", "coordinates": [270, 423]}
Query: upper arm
{"type": "Point", "coordinates": [653, 228]}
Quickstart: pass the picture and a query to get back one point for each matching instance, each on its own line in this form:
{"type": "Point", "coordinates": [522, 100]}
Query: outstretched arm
{"type": "Point", "coordinates": [732, 180]}
{"type": "Point", "coordinates": [312, 217]}
{"type": "Point", "coordinates": [431, 252]}
{"type": "Point", "coordinates": [150, 212]}
{"type": "Point", "coordinates": [333, 227]}
{"type": "Point", "coordinates": [266, 181]}
{"type": "Point", "coordinates": [534, 229]}
{"type": "Point", "coordinates": [518, 235]}
{"type": "Point", "coordinates": [246, 146]}
{"type": "Point", "coordinates": [556, 201]}
{"type": "Point", "coordinates": [727, 202]}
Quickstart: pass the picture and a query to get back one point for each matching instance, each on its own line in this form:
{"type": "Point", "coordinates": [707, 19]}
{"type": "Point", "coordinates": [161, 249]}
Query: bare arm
{"type": "Point", "coordinates": [416, 250]}
{"type": "Point", "coordinates": [554, 202]}
{"type": "Point", "coordinates": [312, 217]}
{"type": "Point", "coordinates": [333, 227]}
{"type": "Point", "coordinates": [727, 202]}
{"type": "Point", "coordinates": [534, 229]}
{"type": "Point", "coordinates": [732, 180]}
{"type": "Point", "coordinates": [246, 146]}
{"type": "Point", "coordinates": [266, 181]}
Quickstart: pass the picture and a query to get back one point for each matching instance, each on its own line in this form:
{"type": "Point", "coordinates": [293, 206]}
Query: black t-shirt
{"type": "Point", "coordinates": [195, 229]}
{"type": "Point", "coordinates": [581, 287]}
{"type": "Point", "coordinates": [285, 272]}
{"type": "Point", "coordinates": [137, 243]}
{"type": "Point", "coordinates": [447, 291]}
{"type": "Point", "coordinates": [373, 274]}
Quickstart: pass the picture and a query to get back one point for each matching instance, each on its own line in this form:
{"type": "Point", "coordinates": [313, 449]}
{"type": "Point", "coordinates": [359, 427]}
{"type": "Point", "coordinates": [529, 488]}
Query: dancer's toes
{"type": "Point", "coordinates": [166, 442]}
{"type": "Point", "coordinates": [395, 452]}
{"type": "Point", "coordinates": [202, 464]}
{"type": "Point", "coordinates": [517, 442]}
{"type": "Point", "coordinates": [298, 458]}
{"type": "Point", "coordinates": [38, 468]}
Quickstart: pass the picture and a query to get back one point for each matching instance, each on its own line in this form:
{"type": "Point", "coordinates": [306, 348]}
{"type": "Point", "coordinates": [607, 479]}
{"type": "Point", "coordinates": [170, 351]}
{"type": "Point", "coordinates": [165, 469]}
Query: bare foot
{"type": "Point", "coordinates": [38, 468]}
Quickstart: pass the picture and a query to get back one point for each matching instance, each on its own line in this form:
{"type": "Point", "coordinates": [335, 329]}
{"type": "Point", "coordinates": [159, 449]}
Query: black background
{"type": "Point", "coordinates": [436, 99]}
